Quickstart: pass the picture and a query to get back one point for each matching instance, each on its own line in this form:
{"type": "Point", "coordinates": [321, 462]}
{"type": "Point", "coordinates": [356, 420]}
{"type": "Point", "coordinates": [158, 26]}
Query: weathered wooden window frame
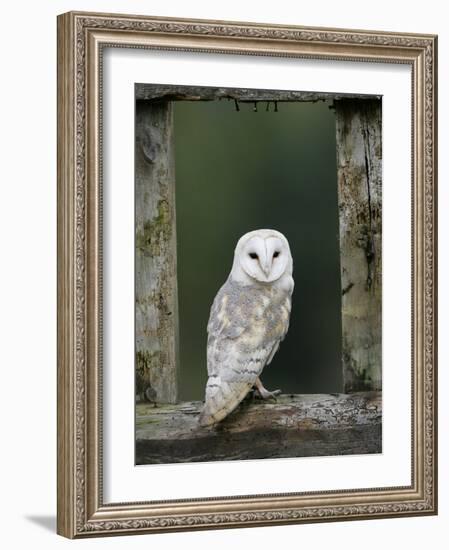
{"type": "Point", "coordinates": [347, 423]}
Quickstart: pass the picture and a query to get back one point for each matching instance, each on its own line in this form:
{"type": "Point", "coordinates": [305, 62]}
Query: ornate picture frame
{"type": "Point", "coordinates": [82, 38]}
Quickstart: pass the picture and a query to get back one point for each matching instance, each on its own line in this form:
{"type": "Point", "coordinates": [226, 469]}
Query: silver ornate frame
{"type": "Point", "coordinates": [81, 37]}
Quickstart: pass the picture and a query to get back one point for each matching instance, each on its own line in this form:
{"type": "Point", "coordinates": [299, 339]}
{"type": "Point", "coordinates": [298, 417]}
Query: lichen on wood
{"type": "Point", "coordinates": [291, 426]}
{"type": "Point", "coordinates": [359, 168]}
{"type": "Point", "coordinates": [155, 244]}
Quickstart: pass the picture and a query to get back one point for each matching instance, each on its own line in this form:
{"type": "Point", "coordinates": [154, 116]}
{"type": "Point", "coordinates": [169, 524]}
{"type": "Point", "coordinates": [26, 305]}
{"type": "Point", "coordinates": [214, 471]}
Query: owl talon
{"type": "Point", "coordinates": [262, 393]}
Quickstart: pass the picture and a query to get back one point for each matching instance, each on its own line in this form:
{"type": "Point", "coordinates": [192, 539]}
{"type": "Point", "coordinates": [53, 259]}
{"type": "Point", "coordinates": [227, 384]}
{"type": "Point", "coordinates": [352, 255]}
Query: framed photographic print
{"type": "Point", "coordinates": [246, 274]}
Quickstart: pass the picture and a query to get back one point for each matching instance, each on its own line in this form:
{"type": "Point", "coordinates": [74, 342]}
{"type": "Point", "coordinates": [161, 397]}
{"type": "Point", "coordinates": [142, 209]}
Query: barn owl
{"type": "Point", "coordinates": [248, 319]}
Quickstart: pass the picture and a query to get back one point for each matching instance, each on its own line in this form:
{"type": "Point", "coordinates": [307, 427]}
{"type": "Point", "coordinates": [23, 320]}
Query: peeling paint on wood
{"type": "Point", "coordinates": [359, 165]}
{"type": "Point", "coordinates": [294, 425]}
{"type": "Point", "coordinates": [155, 243]}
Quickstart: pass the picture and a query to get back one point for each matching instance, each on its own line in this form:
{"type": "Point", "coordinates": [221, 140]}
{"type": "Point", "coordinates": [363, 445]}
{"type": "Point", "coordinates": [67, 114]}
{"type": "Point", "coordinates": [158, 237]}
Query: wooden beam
{"type": "Point", "coordinates": [359, 166]}
{"type": "Point", "coordinates": [164, 92]}
{"type": "Point", "coordinates": [156, 284]}
{"type": "Point", "coordinates": [293, 426]}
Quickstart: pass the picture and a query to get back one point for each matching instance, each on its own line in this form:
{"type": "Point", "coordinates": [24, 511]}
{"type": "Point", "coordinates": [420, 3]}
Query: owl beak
{"type": "Point", "coordinates": [266, 268]}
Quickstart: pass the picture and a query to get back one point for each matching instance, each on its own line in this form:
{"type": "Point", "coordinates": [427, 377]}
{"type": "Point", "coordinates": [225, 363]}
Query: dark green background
{"type": "Point", "coordinates": [242, 170]}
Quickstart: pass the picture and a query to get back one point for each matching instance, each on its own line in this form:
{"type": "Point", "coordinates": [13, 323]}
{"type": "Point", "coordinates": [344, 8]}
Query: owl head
{"type": "Point", "coordinates": [262, 255]}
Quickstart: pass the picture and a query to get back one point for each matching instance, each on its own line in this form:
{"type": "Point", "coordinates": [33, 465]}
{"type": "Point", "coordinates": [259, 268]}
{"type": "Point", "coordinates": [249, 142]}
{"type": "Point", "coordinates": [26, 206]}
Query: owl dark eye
{"type": "Point", "coordinates": [253, 255]}
{"type": "Point", "coordinates": [276, 254]}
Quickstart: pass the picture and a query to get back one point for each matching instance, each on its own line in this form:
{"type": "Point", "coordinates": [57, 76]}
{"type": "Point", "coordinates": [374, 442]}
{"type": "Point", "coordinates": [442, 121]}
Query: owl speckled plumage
{"type": "Point", "coordinates": [248, 320]}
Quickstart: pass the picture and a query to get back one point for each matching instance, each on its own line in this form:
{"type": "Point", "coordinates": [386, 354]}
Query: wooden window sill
{"type": "Point", "coordinates": [292, 426]}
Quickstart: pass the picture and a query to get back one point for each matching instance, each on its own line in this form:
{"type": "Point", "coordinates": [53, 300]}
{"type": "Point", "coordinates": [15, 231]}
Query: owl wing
{"type": "Point", "coordinates": [237, 352]}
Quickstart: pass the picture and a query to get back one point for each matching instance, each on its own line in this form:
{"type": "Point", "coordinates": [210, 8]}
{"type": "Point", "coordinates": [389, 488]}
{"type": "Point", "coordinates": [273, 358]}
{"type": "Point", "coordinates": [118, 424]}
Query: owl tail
{"type": "Point", "coordinates": [206, 418]}
{"type": "Point", "coordinates": [209, 417]}
{"type": "Point", "coordinates": [222, 403]}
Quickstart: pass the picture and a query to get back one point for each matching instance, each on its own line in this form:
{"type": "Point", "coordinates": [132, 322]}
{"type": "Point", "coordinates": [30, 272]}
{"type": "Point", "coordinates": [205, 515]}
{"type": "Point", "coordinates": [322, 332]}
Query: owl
{"type": "Point", "coordinates": [248, 320]}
